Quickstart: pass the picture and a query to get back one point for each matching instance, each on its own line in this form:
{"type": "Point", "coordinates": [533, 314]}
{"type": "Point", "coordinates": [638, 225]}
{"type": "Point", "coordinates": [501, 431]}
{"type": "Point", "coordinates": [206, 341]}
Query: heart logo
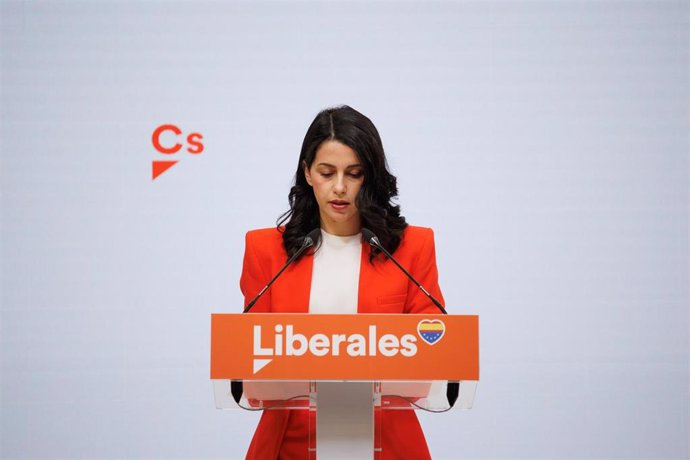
{"type": "Point", "coordinates": [431, 331]}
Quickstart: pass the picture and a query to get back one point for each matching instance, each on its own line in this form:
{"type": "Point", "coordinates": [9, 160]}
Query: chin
{"type": "Point", "coordinates": [340, 219]}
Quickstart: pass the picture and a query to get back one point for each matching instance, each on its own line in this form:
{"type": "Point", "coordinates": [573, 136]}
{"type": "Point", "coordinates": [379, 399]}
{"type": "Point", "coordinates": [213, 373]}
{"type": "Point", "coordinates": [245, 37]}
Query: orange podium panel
{"type": "Point", "coordinates": [299, 346]}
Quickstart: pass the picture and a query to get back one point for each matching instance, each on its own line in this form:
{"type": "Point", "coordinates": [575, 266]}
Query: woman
{"type": "Point", "coordinates": [342, 184]}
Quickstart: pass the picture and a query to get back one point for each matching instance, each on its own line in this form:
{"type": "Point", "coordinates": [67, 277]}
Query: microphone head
{"type": "Point", "coordinates": [312, 238]}
{"type": "Point", "coordinates": [369, 237]}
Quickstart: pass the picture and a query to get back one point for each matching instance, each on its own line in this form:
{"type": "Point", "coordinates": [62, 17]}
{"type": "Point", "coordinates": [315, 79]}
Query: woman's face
{"type": "Point", "coordinates": [336, 175]}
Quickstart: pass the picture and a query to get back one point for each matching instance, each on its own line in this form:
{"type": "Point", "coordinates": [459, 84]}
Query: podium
{"type": "Point", "coordinates": [345, 370]}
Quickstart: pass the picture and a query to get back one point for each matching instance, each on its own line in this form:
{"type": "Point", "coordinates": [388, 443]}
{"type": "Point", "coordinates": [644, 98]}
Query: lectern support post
{"type": "Point", "coordinates": [344, 420]}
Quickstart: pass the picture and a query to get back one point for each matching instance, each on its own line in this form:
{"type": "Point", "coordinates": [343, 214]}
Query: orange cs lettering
{"type": "Point", "coordinates": [155, 138]}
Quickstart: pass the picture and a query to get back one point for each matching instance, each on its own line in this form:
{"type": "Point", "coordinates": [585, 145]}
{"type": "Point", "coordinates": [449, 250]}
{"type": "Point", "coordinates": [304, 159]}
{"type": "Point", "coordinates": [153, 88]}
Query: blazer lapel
{"type": "Point", "coordinates": [297, 279]}
{"type": "Point", "coordinates": [366, 295]}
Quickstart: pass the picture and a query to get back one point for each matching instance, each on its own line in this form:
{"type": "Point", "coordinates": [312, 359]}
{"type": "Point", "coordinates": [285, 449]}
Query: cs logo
{"type": "Point", "coordinates": [171, 146]}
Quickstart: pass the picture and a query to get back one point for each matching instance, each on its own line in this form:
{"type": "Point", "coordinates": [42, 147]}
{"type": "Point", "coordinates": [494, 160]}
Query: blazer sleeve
{"type": "Point", "coordinates": [426, 272]}
{"type": "Point", "coordinates": [254, 277]}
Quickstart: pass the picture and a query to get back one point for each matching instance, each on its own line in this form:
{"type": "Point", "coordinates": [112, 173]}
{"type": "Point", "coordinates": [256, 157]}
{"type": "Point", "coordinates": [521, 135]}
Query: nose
{"type": "Point", "coordinates": [339, 187]}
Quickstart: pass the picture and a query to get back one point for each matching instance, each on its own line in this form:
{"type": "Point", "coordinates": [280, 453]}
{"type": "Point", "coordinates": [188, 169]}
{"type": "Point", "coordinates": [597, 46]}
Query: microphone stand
{"type": "Point", "coordinates": [453, 387]}
{"type": "Point", "coordinates": [236, 387]}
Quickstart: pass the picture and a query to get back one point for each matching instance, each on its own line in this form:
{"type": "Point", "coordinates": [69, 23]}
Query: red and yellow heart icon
{"type": "Point", "coordinates": [431, 331]}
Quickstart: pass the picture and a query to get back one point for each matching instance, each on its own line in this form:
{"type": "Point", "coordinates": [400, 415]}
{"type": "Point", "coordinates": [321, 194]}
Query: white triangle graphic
{"type": "Point", "coordinates": [260, 363]}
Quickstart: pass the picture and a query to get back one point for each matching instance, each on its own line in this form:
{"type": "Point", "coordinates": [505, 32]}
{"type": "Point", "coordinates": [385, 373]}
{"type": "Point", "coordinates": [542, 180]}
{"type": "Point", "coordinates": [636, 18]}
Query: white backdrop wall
{"type": "Point", "coordinates": [545, 142]}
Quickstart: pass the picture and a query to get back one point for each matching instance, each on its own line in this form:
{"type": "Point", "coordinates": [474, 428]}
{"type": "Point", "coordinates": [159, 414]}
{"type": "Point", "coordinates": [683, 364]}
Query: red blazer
{"type": "Point", "coordinates": [383, 288]}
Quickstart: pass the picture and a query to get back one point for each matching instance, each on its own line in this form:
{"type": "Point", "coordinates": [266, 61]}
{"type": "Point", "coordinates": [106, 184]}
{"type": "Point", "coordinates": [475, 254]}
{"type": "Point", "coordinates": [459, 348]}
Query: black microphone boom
{"type": "Point", "coordinates": [453, 386]}
{"type": "Point", "coordinates": [373, 240]}
{"type": "Point", "coordinates": [310, 240]}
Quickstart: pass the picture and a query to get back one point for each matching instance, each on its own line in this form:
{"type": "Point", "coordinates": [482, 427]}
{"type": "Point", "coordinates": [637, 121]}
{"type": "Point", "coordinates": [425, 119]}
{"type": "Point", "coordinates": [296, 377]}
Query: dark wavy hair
{"type": "Point", "coordinates": [374, 200]}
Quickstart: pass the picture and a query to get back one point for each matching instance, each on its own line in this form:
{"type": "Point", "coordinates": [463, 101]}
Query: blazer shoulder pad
{"type": "Point", "coordinates": [415, 233]}
{"type": "Point", "coordinates": [264, 237]}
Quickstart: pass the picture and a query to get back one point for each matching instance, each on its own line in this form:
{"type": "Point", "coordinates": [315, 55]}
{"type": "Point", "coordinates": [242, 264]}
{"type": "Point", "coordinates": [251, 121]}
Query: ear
{"type": "Point", "coordinates": [307, 174]}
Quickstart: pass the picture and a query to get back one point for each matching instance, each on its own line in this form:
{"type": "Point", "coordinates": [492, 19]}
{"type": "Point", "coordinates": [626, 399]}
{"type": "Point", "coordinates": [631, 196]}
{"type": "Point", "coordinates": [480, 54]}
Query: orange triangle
{"type": "Point", "coordinates": [159, 167]}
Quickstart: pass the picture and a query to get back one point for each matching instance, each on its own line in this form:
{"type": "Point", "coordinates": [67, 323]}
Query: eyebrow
{"type": "Point", "coordinates": [328, 165]}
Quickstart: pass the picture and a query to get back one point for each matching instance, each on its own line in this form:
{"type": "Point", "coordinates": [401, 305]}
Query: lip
{"type": "Point", "coordinates": [339, 205]}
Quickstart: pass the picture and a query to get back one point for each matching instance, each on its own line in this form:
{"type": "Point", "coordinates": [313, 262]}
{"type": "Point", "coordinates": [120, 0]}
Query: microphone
{"type": "Point", "coordinates": [373, 240]}
{"type": "Point", "coordinates": [453, 386]}
{"type": "Point", "coordinates": [310, 240]}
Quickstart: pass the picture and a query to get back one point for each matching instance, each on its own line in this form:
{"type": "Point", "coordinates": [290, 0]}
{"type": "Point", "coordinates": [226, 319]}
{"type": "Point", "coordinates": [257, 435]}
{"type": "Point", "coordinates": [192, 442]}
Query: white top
{"type": "Point", "coordinates": [335, 274]}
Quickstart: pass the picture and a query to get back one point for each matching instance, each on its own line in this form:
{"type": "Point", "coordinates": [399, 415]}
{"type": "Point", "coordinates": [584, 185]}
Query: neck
{"type": "Point", "coordinates": [341, 228]}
